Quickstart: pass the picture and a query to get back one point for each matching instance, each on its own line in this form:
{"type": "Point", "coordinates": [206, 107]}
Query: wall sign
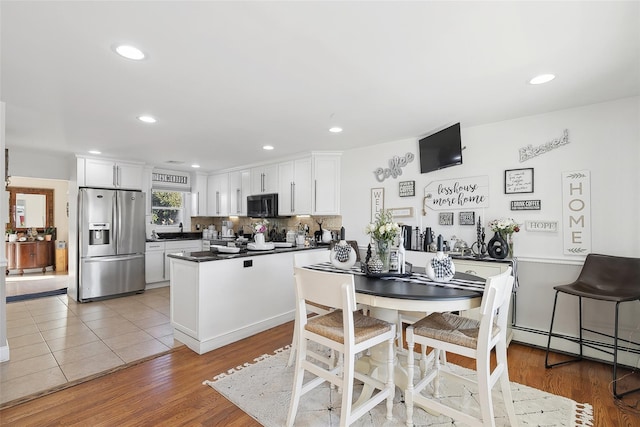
{"type": "Point", "coordinates": [467, 218]}
{"type": "Point", "coordinates": [537, 225]}
{"type": "Point", "coordinates": [530, 151]}
{"type": "Point", "coordinates": [407, 188]}
{"type": "Point", "coordinates": [445, 218]}
{"type": "Point", "coordinates": [518, 181]}
{"type": "Point", "coordinates": [525, 205]}
{"type": "Point", "coordinates": [377, 202]}
{"type": "Point", "coordinates": [576, 212]}
{"type": "Point", "coordinates": [402, 212]}
{"type": "Point", "coordinates": [169, 178]}
{"type": "Point", "coordinates": [462, 193]}
{"type": "Point", "coordinates": [394, 169]}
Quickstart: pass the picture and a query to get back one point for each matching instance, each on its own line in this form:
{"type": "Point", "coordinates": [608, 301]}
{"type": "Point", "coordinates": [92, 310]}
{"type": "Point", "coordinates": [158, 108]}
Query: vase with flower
{"type": "Point", "coordinates": [259, 228]}
{"type": "Point", "coordinates": [383, 231]}
{"type": "Point", "coordinates": [505, 227]}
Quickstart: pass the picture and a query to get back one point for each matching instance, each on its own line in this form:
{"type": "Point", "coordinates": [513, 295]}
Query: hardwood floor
{"type": "Point", "coordinates": [168, 390]}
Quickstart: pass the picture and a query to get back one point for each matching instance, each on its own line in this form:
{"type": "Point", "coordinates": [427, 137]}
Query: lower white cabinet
{"type": "Point", "coordinates": [156, 261]}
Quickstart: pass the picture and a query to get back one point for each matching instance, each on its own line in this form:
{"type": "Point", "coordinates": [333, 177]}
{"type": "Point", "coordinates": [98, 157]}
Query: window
{"type": "Point", "coordinates": [167, 207]}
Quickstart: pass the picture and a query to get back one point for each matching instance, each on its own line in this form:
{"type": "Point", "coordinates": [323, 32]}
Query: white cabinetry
{"type": "Point", "coordinates": [218, 195]}
{"type": "Point", "coordinates": [109, 174]}
{"type": "Point", "coordinates": [264, 179]}
{"type": "Point", "coordinates": [294, 189]}
{"type": "Point", "coordinates": [199, 195]}
{"type": "Point", "coordinates": [326, 184]}
{"type": "Point", "coordinates": [179, 246]}
{"type": "Point", "coordinates": [157, 262]}
{"type": "Point", "coordinates": [154, 262]}
{"type": "Point", "coordinates": [239, 189]}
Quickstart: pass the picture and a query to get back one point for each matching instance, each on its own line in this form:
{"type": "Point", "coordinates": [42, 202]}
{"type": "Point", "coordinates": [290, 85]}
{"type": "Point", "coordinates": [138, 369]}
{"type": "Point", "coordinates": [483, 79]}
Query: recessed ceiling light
{"type": "Point", "coordinates": [195, 166]}
{"type": "Point", "coordinates": [335, 129]}
{"type": "Point", "coordinates": [542, 78]}
{"type": "Point", "coordinates": [267, 147]}
{"type": "Point", "coordinates": [95, 152]}
{"type": "Point", "coordinates": [129, 52]}
{"type": "Point", "coordinates": [147, 119]}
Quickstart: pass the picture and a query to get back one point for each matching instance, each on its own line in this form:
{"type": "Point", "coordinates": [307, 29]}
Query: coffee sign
{"type": "Point", "coordinates": [461, 193]}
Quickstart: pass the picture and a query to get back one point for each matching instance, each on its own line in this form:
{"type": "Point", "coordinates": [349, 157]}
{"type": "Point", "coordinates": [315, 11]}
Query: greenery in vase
{"type": "Point", "coordinates": [384, 228]}
{"type": "Point", "coordinates": [504, 226]}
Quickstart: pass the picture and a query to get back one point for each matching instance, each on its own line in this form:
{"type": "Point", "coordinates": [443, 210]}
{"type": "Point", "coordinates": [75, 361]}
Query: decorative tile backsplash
{"type": "Point", "coordinates": [284, 223]}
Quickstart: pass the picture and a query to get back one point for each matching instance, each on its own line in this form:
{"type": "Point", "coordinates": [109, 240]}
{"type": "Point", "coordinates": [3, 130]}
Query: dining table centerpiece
{"type": "Point", "coordinates": [259, 228]}
{"type": "Point", "coordinates": [383, 231]}
{"type": "Point", "coordinates": [505, 227]}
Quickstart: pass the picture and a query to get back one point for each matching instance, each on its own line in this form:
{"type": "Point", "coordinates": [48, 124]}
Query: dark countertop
{"type": "Point", "coordinates": [171, 237]}
{"type": "Point", "coordinates": [204, 256]}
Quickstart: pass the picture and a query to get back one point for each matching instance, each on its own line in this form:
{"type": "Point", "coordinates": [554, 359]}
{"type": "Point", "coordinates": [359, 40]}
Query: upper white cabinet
{"type": "Point", "coordinates": [199, 195]}
{"type": "Point", "coordinates": [326, 184]}
{"type": "Point", "coordinates": [264, 179]}
{"type": "Point", "coordinates": [294, 188]}
{"type": "Point", "coordinates": [239, 189]}
{"type": "Point", "coordinates": [109, 174]}
{"type": "Point", "coordinates": [218, 195]}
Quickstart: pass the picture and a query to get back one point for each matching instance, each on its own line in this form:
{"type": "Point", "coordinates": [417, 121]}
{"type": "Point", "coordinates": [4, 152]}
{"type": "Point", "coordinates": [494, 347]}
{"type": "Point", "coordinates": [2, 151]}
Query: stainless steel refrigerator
{"type": "Point", "coordinates": [111, 243]}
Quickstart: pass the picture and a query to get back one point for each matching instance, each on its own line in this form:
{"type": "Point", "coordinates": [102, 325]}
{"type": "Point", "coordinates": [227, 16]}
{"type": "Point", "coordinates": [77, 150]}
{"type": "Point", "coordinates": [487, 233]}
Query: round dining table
{"type": "Point", "coordinates": [386, 297]}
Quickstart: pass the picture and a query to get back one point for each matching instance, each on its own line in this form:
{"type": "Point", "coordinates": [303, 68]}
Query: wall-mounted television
{"type": "Point", "coordinates": [440, 149]}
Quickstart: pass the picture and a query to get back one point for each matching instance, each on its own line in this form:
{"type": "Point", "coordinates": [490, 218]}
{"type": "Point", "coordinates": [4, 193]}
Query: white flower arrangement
{"type": "Point", "coordinates": [384, 228]}
{"type": "Point", "coordinates": [260, 226]}
{"type": "Point", "coordinates": [504, 226]}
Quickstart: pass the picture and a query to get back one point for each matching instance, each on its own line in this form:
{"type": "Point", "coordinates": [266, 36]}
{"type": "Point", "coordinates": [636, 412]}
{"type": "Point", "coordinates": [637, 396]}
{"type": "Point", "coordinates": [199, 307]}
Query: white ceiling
{"type": "Point", "coordinates": [225, 78]}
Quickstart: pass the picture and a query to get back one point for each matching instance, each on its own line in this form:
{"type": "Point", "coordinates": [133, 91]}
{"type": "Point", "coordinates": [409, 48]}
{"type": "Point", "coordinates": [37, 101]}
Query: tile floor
{"type": "Point", "coordinates": [55, 340]}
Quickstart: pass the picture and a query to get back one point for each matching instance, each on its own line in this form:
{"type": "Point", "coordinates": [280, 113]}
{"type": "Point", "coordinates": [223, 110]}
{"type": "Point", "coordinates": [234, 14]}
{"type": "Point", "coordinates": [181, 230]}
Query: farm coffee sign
{"type": "Point", "coordinates": [463, 193]}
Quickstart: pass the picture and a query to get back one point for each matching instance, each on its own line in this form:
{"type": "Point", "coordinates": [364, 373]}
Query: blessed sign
{"type": "Point", "coordinates": [463, 193]}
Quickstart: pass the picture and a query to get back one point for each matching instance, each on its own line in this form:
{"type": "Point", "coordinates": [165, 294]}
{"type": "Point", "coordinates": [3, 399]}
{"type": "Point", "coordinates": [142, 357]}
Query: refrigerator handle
{"type": "Point", "coordinates": [117, 217]}
{"type": "Point", "coordinates": [118, 258]}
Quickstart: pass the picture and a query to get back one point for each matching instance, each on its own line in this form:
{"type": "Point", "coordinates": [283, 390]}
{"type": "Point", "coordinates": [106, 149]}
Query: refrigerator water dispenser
{"type": "Point", "coordinates": [99, 234]}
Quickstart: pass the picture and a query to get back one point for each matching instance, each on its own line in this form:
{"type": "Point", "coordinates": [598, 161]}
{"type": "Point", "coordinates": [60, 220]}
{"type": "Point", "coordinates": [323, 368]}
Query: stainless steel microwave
{"type": "Point", "coordinates": [263, 205]}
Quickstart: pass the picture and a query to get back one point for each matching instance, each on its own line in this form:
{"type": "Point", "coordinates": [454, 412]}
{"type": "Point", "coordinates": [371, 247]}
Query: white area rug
{"type": "Point", "coordinates": [263, 390]}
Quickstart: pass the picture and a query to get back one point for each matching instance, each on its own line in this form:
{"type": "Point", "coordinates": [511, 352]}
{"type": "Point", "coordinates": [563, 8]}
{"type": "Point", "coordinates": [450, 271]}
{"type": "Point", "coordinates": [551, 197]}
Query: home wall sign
{"type": "Point", "coordinates": [576, 212]}
{"type": "Point", "coordinates": [170, 180]}
{"type": "Point", "coordinates": [538, 225]}
{"type": "Point", "coordinates": [461, 193]}
{"type": "Point", "coordinates": [407, 188]}
{"type": "Point", "coordinates": [396, 163]}
{"type": "Point", "coordinates": [377, 202]}
{"type": "Point", "coordinates": [525, 205]}
{"type": "Point", "coordinates": [518, 181]}
{"type": "Point", "coordinates": [530, 151]}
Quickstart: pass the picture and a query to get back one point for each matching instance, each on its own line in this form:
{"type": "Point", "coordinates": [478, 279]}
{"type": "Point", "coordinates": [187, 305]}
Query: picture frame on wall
{"type": "Point", "coordinates": [445, 218]}
{"type": "Point", "coordinates": [467, 218]}
{"type": "Point", "coordinates": [377, 201]}
{"type": "Point", "coordinates": [407, 188]}
{"type": "Point", "coordinates": [518, 181]}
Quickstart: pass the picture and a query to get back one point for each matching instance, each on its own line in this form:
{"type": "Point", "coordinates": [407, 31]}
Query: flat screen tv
{"type": "Point", "coordinates": [440, 149]}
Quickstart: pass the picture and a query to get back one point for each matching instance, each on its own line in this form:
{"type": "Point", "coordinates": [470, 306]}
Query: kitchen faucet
{"type": "Point", "coordinates": [180, 227]}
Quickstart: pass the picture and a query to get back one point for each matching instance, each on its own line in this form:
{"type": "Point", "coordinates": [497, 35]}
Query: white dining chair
{"type": "Point", "coordinates": [344, 330]}
{"type": "Point", "coordinates": [300, 259]}
{"type": "Point", "coordinates": [471, 338]}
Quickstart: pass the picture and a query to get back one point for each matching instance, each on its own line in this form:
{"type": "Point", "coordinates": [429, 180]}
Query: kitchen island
{"type": "Point", "coordinates": [217, 299]}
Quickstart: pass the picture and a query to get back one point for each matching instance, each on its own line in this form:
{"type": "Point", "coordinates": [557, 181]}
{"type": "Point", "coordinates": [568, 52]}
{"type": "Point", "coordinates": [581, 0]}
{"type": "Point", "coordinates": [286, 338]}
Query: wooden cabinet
{"type": "Point", "coordinates": [239, 189]}
{"type": "Point", "coordinates": [326, 184]}
{"type": "Point", "coordinates": [218, 195]}
{"type": "Point", "coordinates": [104, 173]}
{"type": "Point", "coordinates": [25, 255]}
{"type": "Point", "coordinates": [294, 188]}
{"type": "Point", "coordinates": [264, 179]}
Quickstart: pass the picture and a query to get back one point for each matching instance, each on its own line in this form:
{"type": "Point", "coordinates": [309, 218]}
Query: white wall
{"type": "Point", "coordinates": [605, 139]}
{"type": "Point", "coordinates": [50, 165]}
